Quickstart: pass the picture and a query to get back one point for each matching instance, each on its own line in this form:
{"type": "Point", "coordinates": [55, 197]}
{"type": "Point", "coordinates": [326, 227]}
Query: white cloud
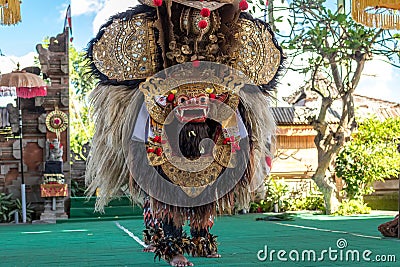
{"type": "Point", "coordinates": [80, 7]}
{"type": "Point", "coordinates": [109, 8]}
{"type": "Point", "coordinates": [9, 63]}
{"type": "Point", "coordinates": [379, 80]}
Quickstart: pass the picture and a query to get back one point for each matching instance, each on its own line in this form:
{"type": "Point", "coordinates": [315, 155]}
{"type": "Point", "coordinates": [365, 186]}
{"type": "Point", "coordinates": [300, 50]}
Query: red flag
{"type": "Point", "coordinates": [68, 21]}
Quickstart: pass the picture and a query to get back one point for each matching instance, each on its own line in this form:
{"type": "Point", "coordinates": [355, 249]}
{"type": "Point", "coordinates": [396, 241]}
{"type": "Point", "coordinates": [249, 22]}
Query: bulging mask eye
{"type": "Point", "coordinates": [182, 99]}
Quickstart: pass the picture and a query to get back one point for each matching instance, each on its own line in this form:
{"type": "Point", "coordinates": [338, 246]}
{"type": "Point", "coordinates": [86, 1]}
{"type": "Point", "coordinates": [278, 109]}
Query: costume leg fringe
{"type": "Point", "coordinates": [152, 236]}
{"type": "Point", "coordinates": [168, 247]}
{"type": "Point", "coordinates": [204, 246]}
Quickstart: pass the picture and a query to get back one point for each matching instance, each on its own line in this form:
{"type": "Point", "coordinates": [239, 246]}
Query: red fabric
{"type": "Point", "coordinates": [27, 92]}
{"type": "Point", "coordinates": [54, 190]}
{"type": "Point", "coordinates": [269, 161]}
{"type": "Point", "coordinates": [68, 21]}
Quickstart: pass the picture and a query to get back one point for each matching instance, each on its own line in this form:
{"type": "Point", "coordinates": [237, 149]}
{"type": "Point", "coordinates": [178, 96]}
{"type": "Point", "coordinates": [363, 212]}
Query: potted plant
{"type": "Point", "coordinates": [277, 191]}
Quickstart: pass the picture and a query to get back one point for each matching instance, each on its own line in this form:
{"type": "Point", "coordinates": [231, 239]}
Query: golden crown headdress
{"type": "Point", "coordinates": [130, 48]}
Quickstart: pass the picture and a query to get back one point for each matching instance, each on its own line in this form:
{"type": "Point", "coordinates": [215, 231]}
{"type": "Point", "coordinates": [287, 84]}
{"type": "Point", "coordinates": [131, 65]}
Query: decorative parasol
{"type": "Point", "coordinates": [10, 12]}
{"type": "Point", "coordinates": [377, 13]}
{"type": "Point", "coordinates": [27, 85]}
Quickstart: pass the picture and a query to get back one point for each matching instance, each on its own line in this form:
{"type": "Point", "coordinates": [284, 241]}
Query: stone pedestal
{"type": "Point", "coordinates": [49, 215]}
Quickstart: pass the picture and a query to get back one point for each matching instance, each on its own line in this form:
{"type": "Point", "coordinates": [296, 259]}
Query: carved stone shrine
{"type": "Point", "coordinates": [36, 137]}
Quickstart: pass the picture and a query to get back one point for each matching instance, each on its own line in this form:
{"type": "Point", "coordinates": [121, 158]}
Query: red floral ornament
{"type": "Point", "coordinates": [150, 150]}
{"type": "Point", "coordinates": [157, 2]}
{"type": "Point", "coordinates": [157, 139]}
{"type": "Point", "coordinates": [203, 24]}
{"type": "Point", "coordinates": [235, 147]}
{"type": "Point", "coordinates": [159, 151]}
{"type": "Point", "coordinates": [243, 5]}
{"type": "Point", "coordinates": [229, 140]}
{"type": "Point", "coordinates": [205, 12]}
{"type": "Point", "coordinates": [171, 97]}
{"type": "Point", "coordinates": [212, 96]}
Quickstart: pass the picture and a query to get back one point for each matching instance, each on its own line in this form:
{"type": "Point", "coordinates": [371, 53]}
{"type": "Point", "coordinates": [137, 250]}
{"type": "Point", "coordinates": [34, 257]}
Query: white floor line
{"type": "Point", "coordinates": [38, 232]}
{"type": "Point", "coordinates": [137, 239]}
{"type": "Point", "coordinates": [74, 230]}
{"type": "Point", "coordinates": [328, 230]}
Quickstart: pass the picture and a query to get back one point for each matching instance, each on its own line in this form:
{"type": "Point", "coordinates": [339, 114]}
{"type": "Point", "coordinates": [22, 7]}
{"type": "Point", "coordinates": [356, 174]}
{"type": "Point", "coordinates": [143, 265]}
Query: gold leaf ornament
{"type": "Point", "coordinates": [126, 50]}
{"type": "Point", "coordinates": [57, 122]}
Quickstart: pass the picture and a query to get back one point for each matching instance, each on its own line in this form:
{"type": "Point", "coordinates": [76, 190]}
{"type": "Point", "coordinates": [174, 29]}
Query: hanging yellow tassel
{"type": "Point", "coordinates": [10, 12]}
{"type": "Point", "coordinates": [388, 20]}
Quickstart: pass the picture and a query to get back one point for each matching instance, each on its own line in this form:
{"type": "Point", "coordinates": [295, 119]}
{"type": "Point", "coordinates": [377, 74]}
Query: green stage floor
{"type": "Point", "coordinates": [240, 237]}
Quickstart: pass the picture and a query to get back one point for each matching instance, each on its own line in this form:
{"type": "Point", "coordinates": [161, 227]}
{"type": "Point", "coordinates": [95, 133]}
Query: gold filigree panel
{"type": "Point", "coordinates": [257, 56]}
{"type": "Point", "coordinates": [189, 179]}
{"type": "Point", "coordinates": [127, 49]}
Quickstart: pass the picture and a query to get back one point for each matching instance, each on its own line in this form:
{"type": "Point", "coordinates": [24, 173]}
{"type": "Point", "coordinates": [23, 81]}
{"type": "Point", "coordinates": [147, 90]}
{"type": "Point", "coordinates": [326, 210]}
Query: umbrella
{"type": "Point", "coordinates": [10, 12]}
{"type": "Point", "coordinates": [377, 13]}
{"type": "Point", "coordinates": [27, 85]}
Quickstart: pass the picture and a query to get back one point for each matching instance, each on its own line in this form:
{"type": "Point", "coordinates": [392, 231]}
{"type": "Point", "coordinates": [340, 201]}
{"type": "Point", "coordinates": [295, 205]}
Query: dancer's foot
{"type": "Point", "coordinates": [180, 260]}
{"type": "Point", "coordinates": [149, 248]}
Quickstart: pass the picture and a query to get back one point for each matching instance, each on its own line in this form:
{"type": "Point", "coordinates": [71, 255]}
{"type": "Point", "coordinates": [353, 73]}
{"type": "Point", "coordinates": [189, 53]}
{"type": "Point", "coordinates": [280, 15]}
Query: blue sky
{"type": "Point", "coordinates": [41, 18]}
